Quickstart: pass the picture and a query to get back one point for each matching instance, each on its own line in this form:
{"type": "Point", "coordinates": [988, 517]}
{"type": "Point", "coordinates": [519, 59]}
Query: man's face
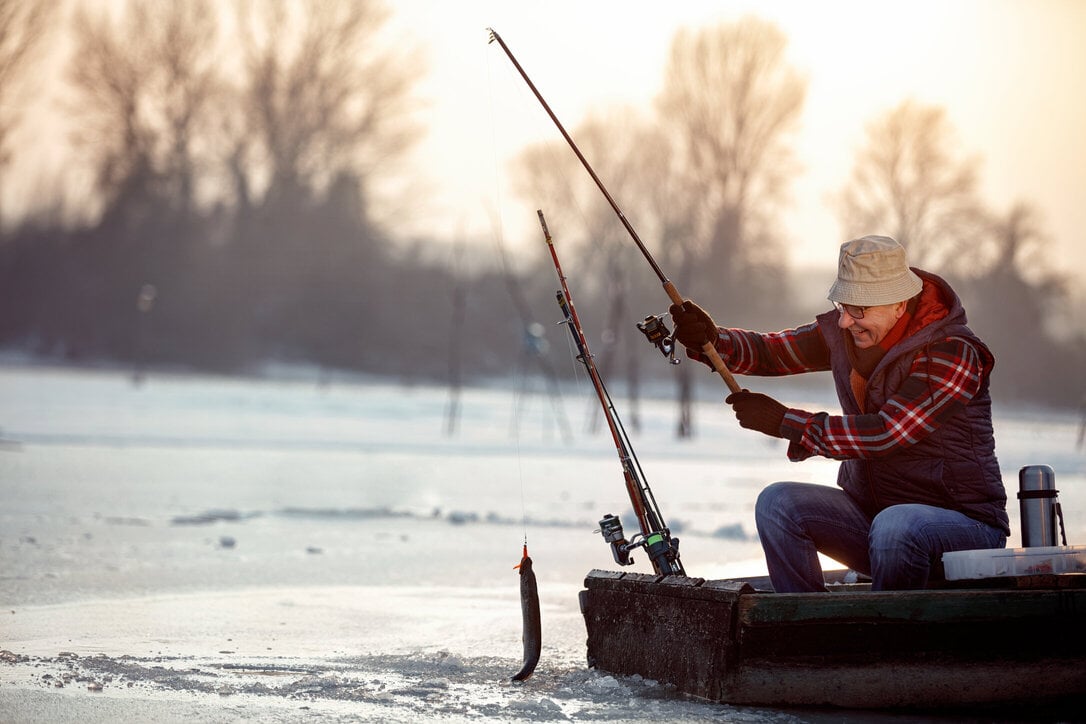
{"type": "Point", "coordinates": [875, 325]}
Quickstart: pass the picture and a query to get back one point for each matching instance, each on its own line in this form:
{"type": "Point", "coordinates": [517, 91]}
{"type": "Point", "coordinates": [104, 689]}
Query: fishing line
{"type": "Point", "coordinates": [498, 232]}
{"type": "Point", "coordinates": [519, 385]}
{"type": "Point", "coordinates": [529, 593]}
{"type": "Point", "coordinates": [516, 109]}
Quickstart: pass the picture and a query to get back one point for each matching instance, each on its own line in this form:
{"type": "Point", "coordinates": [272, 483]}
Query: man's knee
{"type": "Point", "coordinates": [773, 499]}
{"type": "Point", "coordinates": [896, 526]}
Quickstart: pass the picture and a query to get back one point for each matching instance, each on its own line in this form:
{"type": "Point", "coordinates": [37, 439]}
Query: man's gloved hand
{"type": "Point", "coordinates": [694, 328]}
{"type": "Point", "coordinates": [756, 411]}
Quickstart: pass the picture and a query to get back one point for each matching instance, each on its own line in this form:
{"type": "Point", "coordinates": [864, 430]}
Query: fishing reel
{"type": "Point", "coordinates": [659, 335]}
{"type": "Point", "coordinates": [611, 530]}
{"type": "Point", "coordinates": [663, 550]}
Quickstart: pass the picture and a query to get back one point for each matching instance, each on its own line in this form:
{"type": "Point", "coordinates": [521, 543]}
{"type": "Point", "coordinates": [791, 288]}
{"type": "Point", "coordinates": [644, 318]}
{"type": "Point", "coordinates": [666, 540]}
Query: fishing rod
{"type": "Point", "coordinates": [708, 349]}
{"type": "Point", "coordinates": [655, 538]}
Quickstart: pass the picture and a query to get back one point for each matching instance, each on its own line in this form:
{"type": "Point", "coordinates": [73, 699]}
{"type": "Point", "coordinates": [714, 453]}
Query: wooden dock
{"type": "Point", "coordinates": [735, 641]}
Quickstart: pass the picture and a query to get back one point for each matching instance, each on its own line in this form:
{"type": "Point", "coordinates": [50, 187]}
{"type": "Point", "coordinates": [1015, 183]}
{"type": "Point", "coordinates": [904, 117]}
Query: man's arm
{"type": "Point", "coordinates": [790, 352]}
{"type": "Point", "coordinates": [943, 378]}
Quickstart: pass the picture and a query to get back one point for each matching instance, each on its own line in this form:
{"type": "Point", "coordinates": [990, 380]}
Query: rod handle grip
{"type": "Point", "coordinates": [709, 350]}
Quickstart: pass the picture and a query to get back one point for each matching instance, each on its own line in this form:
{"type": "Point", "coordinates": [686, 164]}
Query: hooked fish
{"type": "Point", "coordinates": [529, 608]}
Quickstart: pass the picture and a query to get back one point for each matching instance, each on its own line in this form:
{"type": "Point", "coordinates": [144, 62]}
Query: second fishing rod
{"type": "Point", "coordinates": [709, 350]}
{"type": "Point", "coordinates": [655, 537]}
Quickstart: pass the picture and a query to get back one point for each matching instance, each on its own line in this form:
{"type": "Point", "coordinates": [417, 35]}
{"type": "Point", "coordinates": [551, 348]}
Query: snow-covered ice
{"type": "Point", "coordinates": [213, 549]}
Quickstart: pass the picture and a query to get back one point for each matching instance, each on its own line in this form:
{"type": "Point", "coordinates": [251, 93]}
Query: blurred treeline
{"type": "Point", "coordinates": [247, 163]}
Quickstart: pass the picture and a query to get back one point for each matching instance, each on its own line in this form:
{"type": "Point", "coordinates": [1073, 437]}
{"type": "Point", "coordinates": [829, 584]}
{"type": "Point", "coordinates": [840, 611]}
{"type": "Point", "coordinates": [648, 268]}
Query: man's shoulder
{"type": "Point", "coordinates": [964, 348]}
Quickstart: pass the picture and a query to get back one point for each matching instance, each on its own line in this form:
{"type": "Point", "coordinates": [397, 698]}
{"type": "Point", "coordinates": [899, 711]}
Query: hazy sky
{"type": "Point", "coordinates": [1011, 74]}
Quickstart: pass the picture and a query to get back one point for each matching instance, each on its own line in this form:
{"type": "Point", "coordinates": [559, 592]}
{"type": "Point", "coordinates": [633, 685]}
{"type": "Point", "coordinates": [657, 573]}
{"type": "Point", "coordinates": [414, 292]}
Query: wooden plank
{"type": "Point", "coordinates": [964, 626]}
{"type": "Point", "coordinates": [919, 606]}
{"type": "Point", "coordinates": [677, 586]}
{"type": "Point", "coordinates": [920, 684]}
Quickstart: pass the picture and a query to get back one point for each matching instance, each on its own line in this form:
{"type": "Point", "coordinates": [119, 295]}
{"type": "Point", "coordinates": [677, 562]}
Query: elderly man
{"type": "Point", "coordinates": [919, 475]}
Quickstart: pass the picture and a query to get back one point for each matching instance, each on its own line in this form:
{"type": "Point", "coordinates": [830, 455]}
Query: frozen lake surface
{"type": "Point", "coordinates": [205, 549]}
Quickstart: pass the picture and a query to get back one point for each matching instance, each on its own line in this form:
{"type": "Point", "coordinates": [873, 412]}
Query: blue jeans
{"type": "Point", "coordinates": [900, 548]}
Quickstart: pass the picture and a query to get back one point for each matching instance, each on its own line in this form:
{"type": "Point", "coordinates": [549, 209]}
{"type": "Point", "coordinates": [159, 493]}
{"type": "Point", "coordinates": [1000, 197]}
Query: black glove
{"type": "Point", "coordinates": [756, 411]}
{"type": "Point", "coordinates": [693, 325]}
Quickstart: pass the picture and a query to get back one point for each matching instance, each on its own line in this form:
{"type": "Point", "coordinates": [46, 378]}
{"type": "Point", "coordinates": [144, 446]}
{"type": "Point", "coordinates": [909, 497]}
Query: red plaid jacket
{"type": "Point", "coordinates": [942, 379]}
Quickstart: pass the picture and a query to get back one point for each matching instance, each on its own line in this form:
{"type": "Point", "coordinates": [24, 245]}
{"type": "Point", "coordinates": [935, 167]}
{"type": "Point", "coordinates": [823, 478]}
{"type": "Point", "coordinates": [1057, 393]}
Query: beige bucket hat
{"type": "Point", "coordinates": [873, 270]}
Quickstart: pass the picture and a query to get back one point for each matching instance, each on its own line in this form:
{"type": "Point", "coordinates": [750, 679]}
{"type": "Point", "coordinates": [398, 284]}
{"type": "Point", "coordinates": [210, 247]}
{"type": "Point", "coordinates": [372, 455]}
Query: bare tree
{"type": "Point", "coordinates": [320, 97]}
{"type": "Point", "coordinates": [912, 183]}
{"type": "Point", "coordinates": [312, 99]}
{"type": "Point", "coordinates": [1020, 246]}
{"type": "Point", "coordinates": [1010, 273]}
{"type": "Point", "coordinates": [729, 105]}
{"type": "Point", "coordinates": [706, 176]}
{"type": "Point", "coordinates": [23, 28]}
{"type": "Point", "coordinates": [1018, 302]}
{"type": "Point", "coordinates": [145, 84]}
{"type": "Point", "coordinates": [552, 176]}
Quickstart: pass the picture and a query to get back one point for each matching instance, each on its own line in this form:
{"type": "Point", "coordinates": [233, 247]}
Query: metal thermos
{"type": "Point", "coordinates": [1037, 500]}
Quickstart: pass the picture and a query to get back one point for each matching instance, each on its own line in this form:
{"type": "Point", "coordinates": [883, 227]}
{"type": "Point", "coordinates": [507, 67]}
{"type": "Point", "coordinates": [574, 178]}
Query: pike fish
{"type": "Point", "coordinates": [529, 608]}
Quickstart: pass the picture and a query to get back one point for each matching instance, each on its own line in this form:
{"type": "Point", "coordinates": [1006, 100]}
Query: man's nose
{"type": "Point", "coordinates": [844, 319]}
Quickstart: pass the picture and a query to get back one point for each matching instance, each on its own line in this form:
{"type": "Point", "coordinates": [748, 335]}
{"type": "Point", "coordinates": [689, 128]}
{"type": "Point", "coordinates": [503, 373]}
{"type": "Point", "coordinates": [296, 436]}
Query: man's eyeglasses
{"type": "Point", "coordinates": [851, 310]}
